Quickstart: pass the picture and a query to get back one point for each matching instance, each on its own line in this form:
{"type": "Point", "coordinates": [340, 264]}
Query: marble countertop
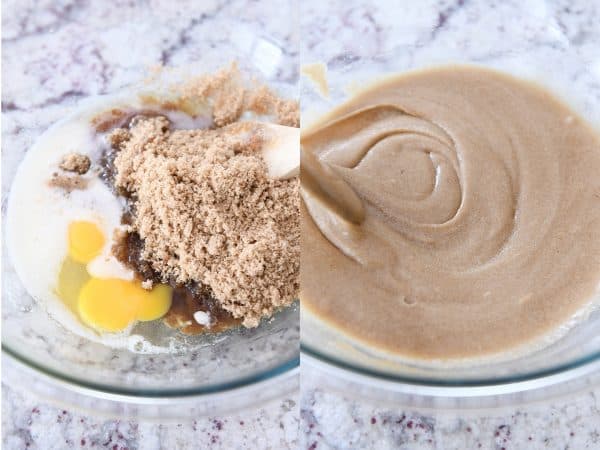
{"type": "Point", "coordinates": [331, 420]}
{"type": "Point", "coordinates": [28, 423]}
{"type": "Point", "coordinates": [56, 52]}
{"type": "Point", "coordinates": [335, 413]}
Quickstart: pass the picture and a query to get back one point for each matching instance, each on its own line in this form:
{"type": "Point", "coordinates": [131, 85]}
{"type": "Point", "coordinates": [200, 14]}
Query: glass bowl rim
{"type": "Point", "coordinates": [287, 367]}
{"type": "Point", "coordinates": [371, 376]}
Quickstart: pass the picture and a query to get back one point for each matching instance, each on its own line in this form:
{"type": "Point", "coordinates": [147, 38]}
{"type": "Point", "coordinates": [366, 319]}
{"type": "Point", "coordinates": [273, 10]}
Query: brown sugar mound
{"type": "Point", "coordinates": [207, 212]}
{"type": "Point", "coordinates": [75, 162]}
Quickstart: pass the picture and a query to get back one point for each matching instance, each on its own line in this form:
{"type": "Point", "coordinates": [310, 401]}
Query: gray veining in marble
{"type": "Point", "coordinates": [57, 52]}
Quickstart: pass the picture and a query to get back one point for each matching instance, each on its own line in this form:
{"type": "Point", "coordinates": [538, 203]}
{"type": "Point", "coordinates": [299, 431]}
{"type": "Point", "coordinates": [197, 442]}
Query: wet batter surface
{"type": "Point", "coordinates": [482, 228]}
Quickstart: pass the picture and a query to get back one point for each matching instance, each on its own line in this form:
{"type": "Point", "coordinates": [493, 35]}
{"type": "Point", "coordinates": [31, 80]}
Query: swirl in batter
{"type": "Point", "coordinates": [482, 228]}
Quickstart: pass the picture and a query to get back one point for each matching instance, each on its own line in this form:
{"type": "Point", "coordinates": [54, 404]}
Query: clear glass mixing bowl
{"type": "Point", "coordinates": [235, 369]}
{"type": "Point", "coordinates": [537, 40]}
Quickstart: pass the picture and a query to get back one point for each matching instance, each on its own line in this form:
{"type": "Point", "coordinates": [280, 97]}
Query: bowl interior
{"type": "Point", "coordinates": [200, 364]}
{"type": "Point", "coordinates": [541, 47]}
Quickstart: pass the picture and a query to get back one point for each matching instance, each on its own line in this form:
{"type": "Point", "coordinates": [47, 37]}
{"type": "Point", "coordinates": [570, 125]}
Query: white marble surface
{"type": "Point", "coordinates": [555, 42]}
{"type": "Point", "coordinates": [28, 423]}
{"type": "Point", "coordinates": [56, 52]}
{"type": "Point", "coordinates": [332, 420]}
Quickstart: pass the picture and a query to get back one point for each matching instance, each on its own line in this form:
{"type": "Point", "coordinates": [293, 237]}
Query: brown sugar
{"type": "Point", "coordinates": [262, 100]}
{"type": "Point", "coordinates": [207, 211]}
{"type": "Point", "coordinates": [230, 96]}
{"type": "Point", "coordinates": [75, 162]}
{"type": "Point", "coordinates": [68, 183]}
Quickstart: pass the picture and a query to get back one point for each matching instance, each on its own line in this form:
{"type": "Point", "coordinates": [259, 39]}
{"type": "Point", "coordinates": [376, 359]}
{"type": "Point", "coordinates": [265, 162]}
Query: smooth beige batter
{"type": "Point", "coordinates": [482, 228]}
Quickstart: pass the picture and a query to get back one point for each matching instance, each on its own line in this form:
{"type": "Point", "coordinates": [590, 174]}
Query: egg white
{"type": "Point", "coordinates": [39, 215]}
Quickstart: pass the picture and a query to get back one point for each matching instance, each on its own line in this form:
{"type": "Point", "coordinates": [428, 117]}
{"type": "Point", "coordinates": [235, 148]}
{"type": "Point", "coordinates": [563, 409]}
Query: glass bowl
{"type": "Point", "coordinates": [540, 41]}
{"type": "Point", "coordinates": [206, 374]}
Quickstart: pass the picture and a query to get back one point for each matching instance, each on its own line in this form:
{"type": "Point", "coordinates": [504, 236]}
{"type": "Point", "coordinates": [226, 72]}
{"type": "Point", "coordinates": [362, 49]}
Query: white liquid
{"type": "Point", "coordinates": [39, 215]}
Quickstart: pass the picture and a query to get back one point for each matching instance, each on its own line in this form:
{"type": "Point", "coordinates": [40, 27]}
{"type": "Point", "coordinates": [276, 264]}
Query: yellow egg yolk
{"type": "Point", "coordinates": [113, 304]}
{"type": "Point", "coordinates": [85, 241]}
{"type": "Point", "coordinates": [155, 303]}
{"type": "Point", "coordinates": [108, 304]}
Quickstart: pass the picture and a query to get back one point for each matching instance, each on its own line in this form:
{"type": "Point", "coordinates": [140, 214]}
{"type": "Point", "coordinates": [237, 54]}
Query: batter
{"type": "Point", "coordinates": [482, 215]}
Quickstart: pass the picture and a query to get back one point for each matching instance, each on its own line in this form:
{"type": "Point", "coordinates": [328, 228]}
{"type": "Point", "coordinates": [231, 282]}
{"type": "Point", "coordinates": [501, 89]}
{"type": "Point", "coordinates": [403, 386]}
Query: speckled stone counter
{"type": "Point", "coordinates": [28, 423]}
{"type": "Point", "coordinates": [335, 419]}
{"type": "Point", "coordinates": [56, 52]}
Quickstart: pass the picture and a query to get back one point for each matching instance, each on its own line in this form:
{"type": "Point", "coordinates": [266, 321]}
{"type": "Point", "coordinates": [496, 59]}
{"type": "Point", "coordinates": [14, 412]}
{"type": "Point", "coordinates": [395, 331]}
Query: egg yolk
{"type": "Point", "coordinates": [85, 241]}
{"type": "Point", "coordinates": [113, 304]}
{"type": "Point", "coordinates": [108, 304]}
{"type": "Point", "coordinates": [155, 303]}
